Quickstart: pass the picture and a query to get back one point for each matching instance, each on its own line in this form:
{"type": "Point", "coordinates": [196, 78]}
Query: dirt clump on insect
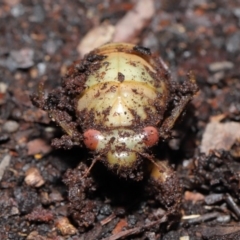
{"type": "Point", "coordinates": [120, 103]}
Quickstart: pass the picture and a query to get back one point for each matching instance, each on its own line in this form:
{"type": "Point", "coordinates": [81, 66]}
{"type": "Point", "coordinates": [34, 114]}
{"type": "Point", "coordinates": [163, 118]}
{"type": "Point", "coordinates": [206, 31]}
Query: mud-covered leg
{"type": "Point", "coordinates": [164, 184]}
{"type": "Point", "coordinates": [184, 94]}
{"type": "Point", "coordinates": [72, 137]}
{"type": "Point", "coordinates": [82, 209]}
{"type": "Point", "coordinates": [62, 118]}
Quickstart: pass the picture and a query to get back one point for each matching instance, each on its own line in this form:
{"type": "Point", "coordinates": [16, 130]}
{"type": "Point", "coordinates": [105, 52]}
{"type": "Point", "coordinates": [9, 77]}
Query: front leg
{"type": "Point", "coordinates": [164, 185]}
{"type": "Point", "coordinates": [181, 95]}
{"type": "Point", "coordinates": [61, 117]}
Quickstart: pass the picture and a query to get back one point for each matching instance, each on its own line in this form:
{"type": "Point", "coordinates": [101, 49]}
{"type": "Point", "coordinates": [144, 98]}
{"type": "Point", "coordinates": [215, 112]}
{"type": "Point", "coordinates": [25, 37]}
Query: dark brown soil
{"type": "Point", "coordinates": [43, 192]}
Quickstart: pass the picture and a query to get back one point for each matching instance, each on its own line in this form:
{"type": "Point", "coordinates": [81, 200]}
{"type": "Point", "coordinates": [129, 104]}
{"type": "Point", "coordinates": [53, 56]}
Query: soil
{"type": "Point", "coordinates": [44, 193]}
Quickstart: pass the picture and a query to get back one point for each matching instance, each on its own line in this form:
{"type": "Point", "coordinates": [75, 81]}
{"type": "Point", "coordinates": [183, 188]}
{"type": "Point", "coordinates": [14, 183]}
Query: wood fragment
{"type": "Point", "coordinates": [108, 219]}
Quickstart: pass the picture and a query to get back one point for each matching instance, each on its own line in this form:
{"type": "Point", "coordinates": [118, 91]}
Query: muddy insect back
{"type": "Point", "coordinates": [116, 101]}
{"type": "Point", "coordinates": [127, 89]}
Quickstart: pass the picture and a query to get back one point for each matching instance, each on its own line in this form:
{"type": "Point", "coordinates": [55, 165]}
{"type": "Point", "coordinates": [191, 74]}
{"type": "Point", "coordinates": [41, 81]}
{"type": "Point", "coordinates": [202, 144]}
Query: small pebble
{"type": "Point", "coordinates": [52, 45]}
{"type": "Point", "coordinates": [213, 198]}
{"type": "Point", "coordinates": [236, 12]}
{"type": "Point", "coordinates": [65, 227]}
{"type": "Point", "coordinates": [14, 211]}
{"type": "Point", "coordinates": [10, 126]}
{"type": "Point", "coordinates": [151, 235]}
{"type": "Point", "coordinates": [45, 200]}
{"type": "Point", "coordinates": [224, 218]}
{"type": "Point", "coordinates": [220, 66]}
{"type": "Point", "coordinates": [41, 68]}
{"type": "Point", "coordinates": [3, 87]}
{"type": "Point", "coordinates": [33, 178]}
{"type": "Point", "coordinates": [106, 210]}
{"type": "Point", "coordinates": [17, 10]}
{"type": "Point", "coordinates": [32, 235]}
{"type": "Point", "coordinates": [4, 138]}
{"type": "Point", "coordinates": [55, 196]}
{"type": "Point", "coordinates": [20, 59]}
{"type": "Point", "coordinates": [4, 163]}
{"type": "Point", "coordinates": [233, 43]}
{"type": "Point", "coordinates": [132, 220]}
{"type": "Point", "coordinates": [216, 77]}
{"type": "Point", "coordinates": [184, 238]}
{"type": "Point", "coordinates": [38, 14]}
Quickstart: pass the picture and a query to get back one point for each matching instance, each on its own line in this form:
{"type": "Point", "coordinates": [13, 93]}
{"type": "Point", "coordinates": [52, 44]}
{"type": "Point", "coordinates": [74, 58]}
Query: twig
{"type": "Point", "coordinates": [135, 230]}
{"type": "Point", "coordinates": [108, 219]}
{"type": "Point", "coordinates": [233, 205]}
{"type": "Point", "coordinates": [203, 218]}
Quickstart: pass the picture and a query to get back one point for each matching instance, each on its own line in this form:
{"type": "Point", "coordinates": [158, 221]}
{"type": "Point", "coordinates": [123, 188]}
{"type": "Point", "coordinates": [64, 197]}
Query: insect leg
{"type": "Point", "coordinates": [62, 118]}
{"type": "Point", "coordinates": [186, 94]}
{"type": "Point", "coordinates": [165, 185]}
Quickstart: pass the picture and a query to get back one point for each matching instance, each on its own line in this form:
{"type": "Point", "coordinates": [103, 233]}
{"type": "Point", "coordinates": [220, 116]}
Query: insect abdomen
{"type": "Point", "coordinates": [123, 90]}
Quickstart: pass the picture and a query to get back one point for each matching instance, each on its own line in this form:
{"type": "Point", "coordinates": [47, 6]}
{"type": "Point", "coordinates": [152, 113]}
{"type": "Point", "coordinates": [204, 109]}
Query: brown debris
{"type": "Point", "coordinates": [40, 215]}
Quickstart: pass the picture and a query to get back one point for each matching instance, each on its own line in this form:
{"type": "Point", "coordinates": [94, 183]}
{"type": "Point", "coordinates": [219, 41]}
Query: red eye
{"type": "Point", "coordinates": [91, 138]}
{"type": "Point", "coordinates": [151, 136]}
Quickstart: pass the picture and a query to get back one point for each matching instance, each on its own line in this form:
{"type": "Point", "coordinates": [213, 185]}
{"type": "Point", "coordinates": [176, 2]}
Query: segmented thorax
{"type": "Point", "coordinates": [126, 89]}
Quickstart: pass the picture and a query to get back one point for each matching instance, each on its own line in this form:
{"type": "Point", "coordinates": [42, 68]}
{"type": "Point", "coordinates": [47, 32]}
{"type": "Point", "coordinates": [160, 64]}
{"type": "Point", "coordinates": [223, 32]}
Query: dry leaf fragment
{"type": "Point", "coordinates": [219, 136]}
{"type": "Point", "coordinates": [126, 30]}
{"type": "Point", "coordinates": [38, 146]}
{"type": "Point", "coordinates": [119, 227]}
{"type": "Point", "coordinates": [134, 21]}
{"type": "Point", "coordinates": [95, 38]}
